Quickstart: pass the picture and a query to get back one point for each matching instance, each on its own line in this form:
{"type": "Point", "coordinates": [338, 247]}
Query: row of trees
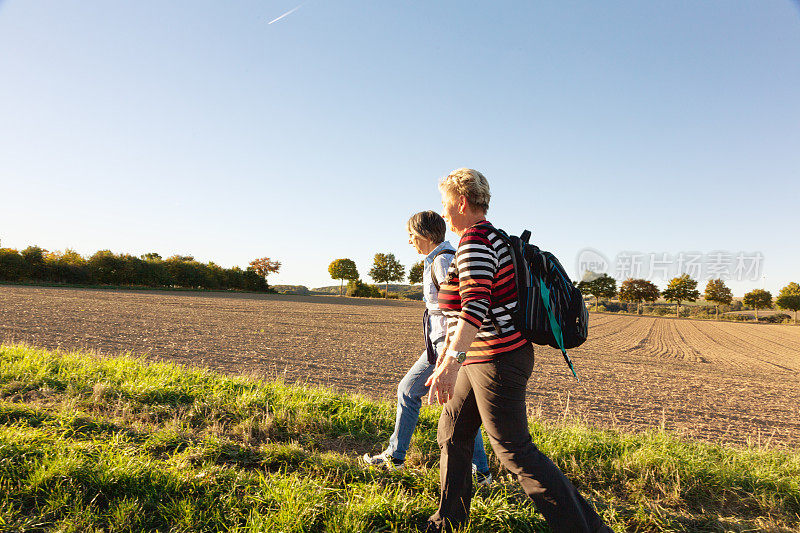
{"type": "Point", "coordinates": [385, 268]}
{"type": "Point", "coordinates": [684, 289]}
{"type": "Point", "coordinates": [150, 270]}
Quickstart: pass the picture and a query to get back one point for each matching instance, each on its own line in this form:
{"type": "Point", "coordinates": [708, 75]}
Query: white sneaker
{"type": "Point", "coordinates": [382, 460]}
{"type": "Point", "coordinates": [482, 479]}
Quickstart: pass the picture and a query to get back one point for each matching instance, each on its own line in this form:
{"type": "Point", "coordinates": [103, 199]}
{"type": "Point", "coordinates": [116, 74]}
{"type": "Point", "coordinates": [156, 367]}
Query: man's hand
{"type": "Point", "coordinates": [442, 382]}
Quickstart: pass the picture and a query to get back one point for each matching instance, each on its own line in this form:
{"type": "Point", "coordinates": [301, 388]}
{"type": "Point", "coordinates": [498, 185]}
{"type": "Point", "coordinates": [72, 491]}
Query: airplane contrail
{"type": "Point", "coordinates": [285, 14]}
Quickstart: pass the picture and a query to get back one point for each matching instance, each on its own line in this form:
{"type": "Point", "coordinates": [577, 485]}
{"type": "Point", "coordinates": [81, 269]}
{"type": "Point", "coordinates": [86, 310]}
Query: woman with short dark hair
{"type": "Point", "coordinates": [482, 373]}
{"type": "Point", "coordinates": [426, 232]}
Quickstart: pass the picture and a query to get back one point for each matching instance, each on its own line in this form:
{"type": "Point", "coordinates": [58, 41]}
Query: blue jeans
{"type": "Point", "coordinates": [409, 400]}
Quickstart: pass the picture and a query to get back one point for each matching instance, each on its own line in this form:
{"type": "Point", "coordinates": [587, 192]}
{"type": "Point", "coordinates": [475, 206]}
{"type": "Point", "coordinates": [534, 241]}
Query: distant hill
{"type": "Point", "coordinates": [334, 289]}
{"type": "Point", "coordinates": [294, 289]}
{"type": "Point", "coordinates": [411, 292]}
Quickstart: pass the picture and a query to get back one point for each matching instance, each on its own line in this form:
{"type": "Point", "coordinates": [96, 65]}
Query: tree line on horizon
{"type": "Point", "coordinates": [684, 289]}
{"type": "Point", "coordinates": [104, 267]}
{"type": "Point", "coordinates": [34, 264]}
{"type": "Point", "coordinates": [385, 268]}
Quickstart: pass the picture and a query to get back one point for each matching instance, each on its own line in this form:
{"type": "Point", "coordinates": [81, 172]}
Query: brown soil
{"type": "Point", "coordinates": [716, 381]}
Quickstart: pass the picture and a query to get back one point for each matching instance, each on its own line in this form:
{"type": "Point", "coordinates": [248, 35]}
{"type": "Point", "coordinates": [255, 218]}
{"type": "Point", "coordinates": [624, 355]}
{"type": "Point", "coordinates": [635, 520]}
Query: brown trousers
{"type": "Point", "coordinates": [493, 393]}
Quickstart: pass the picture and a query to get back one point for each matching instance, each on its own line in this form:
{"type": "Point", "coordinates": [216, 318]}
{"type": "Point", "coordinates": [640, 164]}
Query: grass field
{"type": "Point", "coordinates": [121, 444]}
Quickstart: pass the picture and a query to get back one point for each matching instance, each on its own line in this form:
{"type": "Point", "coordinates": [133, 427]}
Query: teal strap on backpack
{"type": "Point", "coordinates": [545, 292]}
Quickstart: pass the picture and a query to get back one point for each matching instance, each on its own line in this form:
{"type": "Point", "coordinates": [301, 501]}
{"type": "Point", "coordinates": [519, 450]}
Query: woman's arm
{"type": "Point", "coordinates": [443, 380]}
{"type": "Point", "coordinates": [477, 264]}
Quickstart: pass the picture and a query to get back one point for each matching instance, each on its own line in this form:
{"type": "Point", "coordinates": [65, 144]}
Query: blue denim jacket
{"type": "Point", "coordinates": [437, 324]}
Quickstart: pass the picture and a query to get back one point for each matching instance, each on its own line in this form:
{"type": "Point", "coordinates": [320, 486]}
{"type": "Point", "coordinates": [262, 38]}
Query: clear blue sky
{"type": "Point", "coordinates": [196, 127]}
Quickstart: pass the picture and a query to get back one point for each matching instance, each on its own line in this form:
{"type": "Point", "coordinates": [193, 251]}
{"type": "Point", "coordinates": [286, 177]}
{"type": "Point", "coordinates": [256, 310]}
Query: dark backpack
{"type": "Point", "coordinates": [551, 309]}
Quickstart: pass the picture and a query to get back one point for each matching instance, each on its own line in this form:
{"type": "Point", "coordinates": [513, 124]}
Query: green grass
{"type": "Point", "coordinates": [120, 444]}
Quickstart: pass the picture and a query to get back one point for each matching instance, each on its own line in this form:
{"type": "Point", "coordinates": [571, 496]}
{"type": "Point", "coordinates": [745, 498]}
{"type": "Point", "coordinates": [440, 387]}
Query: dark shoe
{"type": "Point", "coordinates": [433, 527]}
{"type": "Point", "coordinates": [483, 479]}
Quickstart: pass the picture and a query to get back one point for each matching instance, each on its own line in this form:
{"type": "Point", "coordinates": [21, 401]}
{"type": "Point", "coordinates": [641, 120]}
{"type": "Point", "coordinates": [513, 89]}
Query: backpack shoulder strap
{"type": "Point", "coordinates": [544, 291]}
{"type": "Point", "coordinates": [433, 272]}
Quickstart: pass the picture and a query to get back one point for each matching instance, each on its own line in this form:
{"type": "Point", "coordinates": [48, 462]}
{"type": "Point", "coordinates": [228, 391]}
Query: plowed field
{"type": "Point", "coordinates": [721, 382]}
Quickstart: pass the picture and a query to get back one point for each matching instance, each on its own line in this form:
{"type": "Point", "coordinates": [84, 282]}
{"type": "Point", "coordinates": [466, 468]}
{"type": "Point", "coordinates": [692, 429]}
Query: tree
{"type": "Point", "coordinates": [343, 269]}
{"type": "Point", "coordinates": [152, 256]}
{"type": "Point", "coordinates": [789, 298]}
{"type": "Point", "coordinates": [681, 289]}
{"type": "Point", "coordinates": [386, 268]}
{"type": "Point", "coordinates": [758, 299]}
{"type": "Point", "coordinates": [718, 293]}
{"type": "Point", "coordinates": [356, 287]}
{"type": "Point", "coordinates": [34, 256]}
{"type": "Point", "coordinates": [636, 290]}
{"type": "Point", "coordinates": [67, 267]}
{"type": "Point", "coordinates": [253, 281]}
{"type": "Point", "coordinates": [263, 266]}
{"type": "Point", "coordinates": [603, 286]}
{"type": "Point", "coordinates": [105, 267]}
{"type": "Point", "coordinates": [184, 271]}
{"type": "Point", "coordinates": [12, 265]}
{"type": "Point", "coordinates": [415, 273]}
{"type": "Point", "coordinates": [71, 257]}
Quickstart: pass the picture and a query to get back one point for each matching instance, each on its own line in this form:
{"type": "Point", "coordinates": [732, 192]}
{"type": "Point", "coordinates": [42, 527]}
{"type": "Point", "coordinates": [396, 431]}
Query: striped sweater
{"type": "Point", "coordinates": [482, 276]}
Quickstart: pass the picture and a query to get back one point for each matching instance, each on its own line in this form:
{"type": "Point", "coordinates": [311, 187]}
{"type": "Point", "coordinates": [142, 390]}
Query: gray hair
{"type": "Point", "coordinates": [428, 225]}
{"type": "Point", "coordinates": [471, 184]}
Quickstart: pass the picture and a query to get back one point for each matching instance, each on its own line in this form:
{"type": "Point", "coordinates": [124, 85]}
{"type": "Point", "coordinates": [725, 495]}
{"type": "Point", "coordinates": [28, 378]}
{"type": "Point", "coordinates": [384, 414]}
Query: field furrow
{"type": "Point", "coordinates": [776, 335]}
{"type": "Point", "coordinates": [758, 350]}
{"type": "Point", "coordinates": [743, 353]}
